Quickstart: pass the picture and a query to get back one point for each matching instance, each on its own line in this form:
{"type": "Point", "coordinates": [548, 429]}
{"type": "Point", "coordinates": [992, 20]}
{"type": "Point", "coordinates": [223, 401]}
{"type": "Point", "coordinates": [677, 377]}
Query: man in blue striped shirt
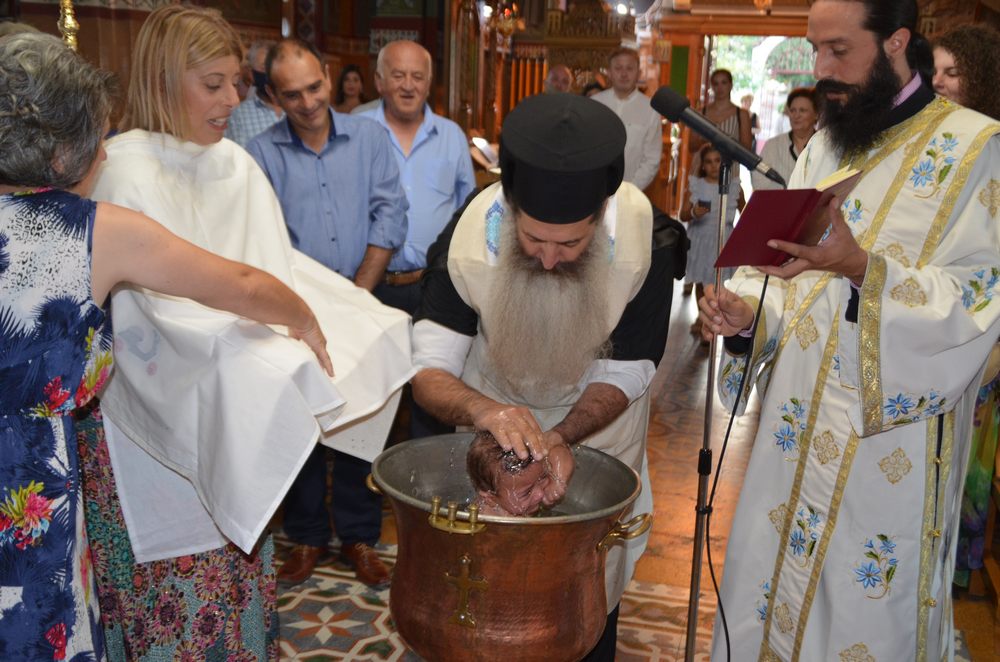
{"type": "Point", "coordinates": [338, 184]}
{"type": "Point", "coordinates": [256, 113]}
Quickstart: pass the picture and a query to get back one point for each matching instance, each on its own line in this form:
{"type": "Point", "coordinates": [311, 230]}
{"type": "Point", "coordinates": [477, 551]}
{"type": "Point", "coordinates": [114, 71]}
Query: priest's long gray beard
{"type": "Point", "coordinates": [547, 326]}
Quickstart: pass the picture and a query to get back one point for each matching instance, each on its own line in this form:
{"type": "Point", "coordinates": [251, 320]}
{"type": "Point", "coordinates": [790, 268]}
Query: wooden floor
{"type": "Point", "coordinates": [675, 437]}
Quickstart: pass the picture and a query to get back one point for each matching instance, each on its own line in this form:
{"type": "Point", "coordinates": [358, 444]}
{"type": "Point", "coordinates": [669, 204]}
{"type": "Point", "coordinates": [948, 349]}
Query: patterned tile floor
{"type": "Point", "coordinates": [332, 617]}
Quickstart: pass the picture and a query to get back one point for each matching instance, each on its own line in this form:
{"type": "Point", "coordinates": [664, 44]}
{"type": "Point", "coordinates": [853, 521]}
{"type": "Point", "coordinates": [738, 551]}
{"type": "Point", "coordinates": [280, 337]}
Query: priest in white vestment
{"type": "Point", "coordinates": [867, 360]}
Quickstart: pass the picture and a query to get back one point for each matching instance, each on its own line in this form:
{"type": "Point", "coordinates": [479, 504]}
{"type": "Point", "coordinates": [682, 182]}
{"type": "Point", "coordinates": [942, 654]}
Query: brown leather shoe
{"type": "Point", "coordinates": [299, 564]}
{"type": "Point", "coordinates": [366, 563]}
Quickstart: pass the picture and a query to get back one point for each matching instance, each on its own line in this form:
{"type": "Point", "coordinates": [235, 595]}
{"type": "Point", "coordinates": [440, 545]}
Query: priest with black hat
{"type": "Point", "coordinates": [545, 307]}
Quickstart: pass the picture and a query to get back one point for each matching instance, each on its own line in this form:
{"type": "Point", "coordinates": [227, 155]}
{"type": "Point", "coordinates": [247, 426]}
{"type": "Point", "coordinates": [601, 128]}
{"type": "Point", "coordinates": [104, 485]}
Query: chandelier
{"type": "Point", "coordinates": [763, 6]}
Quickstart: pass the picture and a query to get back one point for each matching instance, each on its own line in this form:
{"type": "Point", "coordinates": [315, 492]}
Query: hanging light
{"type": "Point", "coordinates": [763, 6]}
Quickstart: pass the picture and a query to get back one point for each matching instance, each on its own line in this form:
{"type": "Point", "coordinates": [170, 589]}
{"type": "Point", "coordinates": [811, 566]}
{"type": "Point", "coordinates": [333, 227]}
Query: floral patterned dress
{"type": "Point", "coordinates": [54, 354]}
{"type": "Point", "coordinates": [219, 605]}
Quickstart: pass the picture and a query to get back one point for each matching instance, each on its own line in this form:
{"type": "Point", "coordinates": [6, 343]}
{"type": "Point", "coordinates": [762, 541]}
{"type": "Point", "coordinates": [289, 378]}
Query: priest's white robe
{"type": "Point", "coordinates": [843, 543]}
{"type": "Point", "coordinates": [210, 417]}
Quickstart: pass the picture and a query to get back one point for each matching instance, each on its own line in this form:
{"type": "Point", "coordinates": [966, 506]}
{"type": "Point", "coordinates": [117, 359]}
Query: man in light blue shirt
{"type": "Point", "coordinates": [434, 164]}
{"type": "Point", "coordinates": [339, 188]}
{"type": "Point", "coordinates": [256, 113]}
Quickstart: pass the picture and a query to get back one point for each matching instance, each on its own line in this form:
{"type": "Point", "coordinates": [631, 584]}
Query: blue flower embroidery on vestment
{"type": "Point", "coordinates": [785, 437]}
{"type": "Point", "coordinates": [977, 294]}
{"type": "Point", "coordinates": [934, 170]}
{"type": "Point", "coordinates": [853, 209]}
{"type": "Point", "coordinates": [805, 533]}
{"type": "Point", "coordinates": [898, 406]}
{"type": "Point", "coordinates": [923, 173]}
{"type": "Point", "coordinates": [875, 573]}
{"type": "Point", "coordinates": [868, 574]}
{"type": "Point", "coordinates": [792, 424]}
{"type": "Point", "coordinates": [968, 297]}
{"type": "Point", "coordinates": [494, 215]}
{"type": "Point", "coordinates": [796, 410]}
{"type": "Point", "coordinates": [732, 384]}
{"type": "Point", "coordinates": [761, 606]}
{"type": "Point", "coordinates": [905, 408]}
{"type": "Point", "coordinates": [797, 542]}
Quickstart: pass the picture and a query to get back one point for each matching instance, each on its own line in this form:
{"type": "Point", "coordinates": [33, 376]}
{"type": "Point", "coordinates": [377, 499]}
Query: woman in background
{"type": "Point", "coordinates": [731, 119]}
{"type": "Point", "coordinates": [967, 66]}
{"type": "Point", "coordinates": [966, 71]}
{"type": "Point", "coordinates": [350, 90]}
{"type": "Point", "coordinates": [781, 151]}
{"type": "Point", "coordinates": [60, 256]}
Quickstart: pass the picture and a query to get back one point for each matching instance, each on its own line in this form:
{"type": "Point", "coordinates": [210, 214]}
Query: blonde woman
{"type": "Point", "coordinates": [195, 570]}
{"type": "Point", "coordinates": [60, 256]}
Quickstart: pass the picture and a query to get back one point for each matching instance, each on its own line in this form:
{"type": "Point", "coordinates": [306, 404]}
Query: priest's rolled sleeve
{"type": "Point", "coordinates": [630, 377]}
{"type": "Point", "coordinates": [437, 346]}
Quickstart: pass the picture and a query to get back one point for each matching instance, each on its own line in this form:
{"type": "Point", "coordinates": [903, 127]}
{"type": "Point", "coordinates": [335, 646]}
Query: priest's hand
{"type": "Point", "coordinates": [723, 313]}
{"type": "Point", "coordinates": [837, 252]}
{"type": "Point", "coordinates": [559, 466]}
{"type": "Point", "coordinates": [514, 428]}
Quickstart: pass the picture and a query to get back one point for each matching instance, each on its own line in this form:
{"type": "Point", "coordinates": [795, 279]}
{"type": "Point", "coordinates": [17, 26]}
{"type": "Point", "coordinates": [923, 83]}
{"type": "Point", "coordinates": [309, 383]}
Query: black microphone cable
{"type": "Point", "coordinates": [718, 466]}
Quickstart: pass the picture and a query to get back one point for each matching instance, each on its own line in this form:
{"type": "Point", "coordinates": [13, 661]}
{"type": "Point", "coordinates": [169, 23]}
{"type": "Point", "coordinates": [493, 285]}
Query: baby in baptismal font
{"type": "Point", "coordinates": [506, 486]}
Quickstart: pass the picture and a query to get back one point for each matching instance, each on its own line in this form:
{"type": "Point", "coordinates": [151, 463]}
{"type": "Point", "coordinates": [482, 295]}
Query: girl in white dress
{"type": "Point", "coordinates": [700, 211]}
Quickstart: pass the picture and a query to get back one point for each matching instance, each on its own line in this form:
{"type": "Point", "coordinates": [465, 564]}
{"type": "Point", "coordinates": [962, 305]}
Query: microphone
{"type": "Point", "coordinates": [677, 108]}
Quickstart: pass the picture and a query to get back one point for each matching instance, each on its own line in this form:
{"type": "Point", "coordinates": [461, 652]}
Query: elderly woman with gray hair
{"type": "Point", "coordinates": [60, 256]}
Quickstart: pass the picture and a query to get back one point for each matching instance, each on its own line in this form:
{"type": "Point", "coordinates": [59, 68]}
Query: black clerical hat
{"type": "Point", "coordinates": [561, 156]}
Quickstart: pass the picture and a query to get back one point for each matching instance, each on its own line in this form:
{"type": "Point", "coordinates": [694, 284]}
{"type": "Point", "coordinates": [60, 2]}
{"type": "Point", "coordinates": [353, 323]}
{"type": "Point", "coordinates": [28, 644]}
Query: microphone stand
{"type": "Point", "coordinates": [705, 454]}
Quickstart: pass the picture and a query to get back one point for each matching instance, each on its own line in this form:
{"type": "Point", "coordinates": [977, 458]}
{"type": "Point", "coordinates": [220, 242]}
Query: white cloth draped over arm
{"type": "Point", "coordinates": [231, 406]}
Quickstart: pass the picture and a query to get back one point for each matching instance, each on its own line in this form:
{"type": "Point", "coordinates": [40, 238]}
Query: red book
{"type": "Point", "coordinates": [795, 215]}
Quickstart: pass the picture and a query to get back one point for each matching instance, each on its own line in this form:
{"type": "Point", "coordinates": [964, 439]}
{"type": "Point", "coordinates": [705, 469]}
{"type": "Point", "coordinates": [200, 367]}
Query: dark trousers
{"type": "Point", "coordinates": [407, 299]}
{"type": "Point", "coordinates": [604, 651]}
{"type": "Point", "coordinates": [357, 511]}
{"type": "Point", "coordinates": [403, 297]}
